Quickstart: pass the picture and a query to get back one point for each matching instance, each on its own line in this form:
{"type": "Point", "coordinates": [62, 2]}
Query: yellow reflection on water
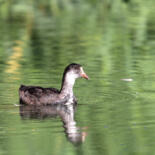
{"type": "Point", "coordinates": [13, 61]}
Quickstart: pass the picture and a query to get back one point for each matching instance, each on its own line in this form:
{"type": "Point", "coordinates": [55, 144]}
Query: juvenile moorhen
{"type": "Point", "coordinates": [35, 95]}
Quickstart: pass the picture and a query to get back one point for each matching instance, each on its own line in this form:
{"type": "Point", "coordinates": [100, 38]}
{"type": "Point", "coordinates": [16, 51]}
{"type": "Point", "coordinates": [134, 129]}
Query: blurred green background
{"type": "Point", "coordinates": [113, 40]}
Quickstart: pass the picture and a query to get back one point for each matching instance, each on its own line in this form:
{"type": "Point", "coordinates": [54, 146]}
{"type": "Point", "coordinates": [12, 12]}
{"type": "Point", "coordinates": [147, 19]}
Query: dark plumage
{"type": "Point", "coordinates": [35, 95]}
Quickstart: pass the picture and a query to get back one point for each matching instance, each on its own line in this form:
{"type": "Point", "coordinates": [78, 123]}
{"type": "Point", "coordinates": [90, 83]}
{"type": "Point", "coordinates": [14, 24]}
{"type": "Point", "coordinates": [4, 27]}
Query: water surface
{"type": "Point", "coordinates": [113, 41]}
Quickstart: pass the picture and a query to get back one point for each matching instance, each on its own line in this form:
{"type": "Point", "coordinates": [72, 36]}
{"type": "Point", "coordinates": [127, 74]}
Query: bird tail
{"type": "Point", "coordinates": [21, 88]}
{"type": "Point", "coordinates": [21, 93]}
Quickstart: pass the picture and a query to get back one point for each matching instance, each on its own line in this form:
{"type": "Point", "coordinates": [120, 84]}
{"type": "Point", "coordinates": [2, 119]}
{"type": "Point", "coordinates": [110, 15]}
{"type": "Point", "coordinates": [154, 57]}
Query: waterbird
{"type": "Point", "coordinates": [36, 95]}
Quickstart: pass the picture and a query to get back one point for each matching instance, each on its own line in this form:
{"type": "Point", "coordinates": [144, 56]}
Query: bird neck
{"type": "Point", "coordinates": [68, 84]}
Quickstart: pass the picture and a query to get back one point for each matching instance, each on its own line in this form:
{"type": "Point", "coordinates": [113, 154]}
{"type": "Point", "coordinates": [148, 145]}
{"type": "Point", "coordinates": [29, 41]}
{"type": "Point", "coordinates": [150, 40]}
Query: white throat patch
{"type": "Point", "coordinates": [70, 77]}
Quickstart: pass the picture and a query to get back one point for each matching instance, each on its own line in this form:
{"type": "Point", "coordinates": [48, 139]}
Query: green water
{"type": "Point", "coordinates": [113, 40]}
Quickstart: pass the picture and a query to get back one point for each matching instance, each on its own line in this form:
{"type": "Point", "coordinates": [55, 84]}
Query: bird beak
{"type": "Point", "coordinates": [84, 75]}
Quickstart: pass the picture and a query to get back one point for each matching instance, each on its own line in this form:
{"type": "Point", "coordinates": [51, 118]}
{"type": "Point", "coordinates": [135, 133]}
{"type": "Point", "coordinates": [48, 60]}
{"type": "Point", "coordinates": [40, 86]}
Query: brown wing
{"type": "Point", "coordinates": [37, 95]}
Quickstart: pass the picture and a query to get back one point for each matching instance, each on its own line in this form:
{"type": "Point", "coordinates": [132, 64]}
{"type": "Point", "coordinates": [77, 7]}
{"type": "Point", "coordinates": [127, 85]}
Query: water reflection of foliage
{"type": "Point", "coordinates": [54, 17]}
{"type": "Point", "coordinates": [112, 39]}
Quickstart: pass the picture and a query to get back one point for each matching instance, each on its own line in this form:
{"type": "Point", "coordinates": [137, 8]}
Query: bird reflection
{"type": "Point", "coordinates": [65, 112]}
